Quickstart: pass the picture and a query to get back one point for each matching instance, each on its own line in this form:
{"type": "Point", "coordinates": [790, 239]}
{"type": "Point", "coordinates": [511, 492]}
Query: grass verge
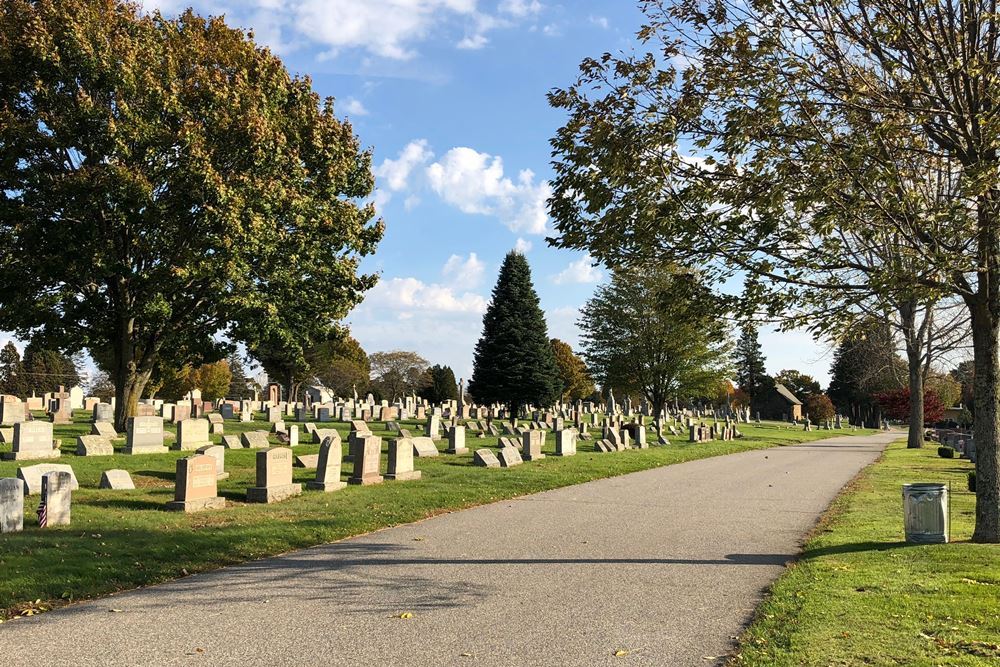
{"type": "Point", "coordinates": [120, 540]}
{"type": "Point", "coordinates": [859, 595]}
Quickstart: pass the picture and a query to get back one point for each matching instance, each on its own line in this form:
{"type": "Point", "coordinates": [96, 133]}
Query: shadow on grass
{"type": "Point", "coordinates": [854, 547]}
{"type": "Point", "coordinates": [127, 504]}
{"type": "Point", "coordinates": [159, 474]}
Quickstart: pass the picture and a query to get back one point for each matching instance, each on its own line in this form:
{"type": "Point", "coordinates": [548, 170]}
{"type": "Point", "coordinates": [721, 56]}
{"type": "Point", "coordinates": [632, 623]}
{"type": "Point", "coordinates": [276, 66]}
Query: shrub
{"type": "Point", "coordinates": [819, 407]}
{"type": "Point", "coordinates": [972, 481]}
{"type": "Point", "coordinates": [946, 452]}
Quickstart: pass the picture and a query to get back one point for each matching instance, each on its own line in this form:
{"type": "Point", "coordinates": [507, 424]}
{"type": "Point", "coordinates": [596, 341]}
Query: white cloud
{"type": "Point", "coordinates": [396, 173]}
{"type": "Point", "coordinates": [409, 295]}
{"type": "Point", "coordinates": [354, 107]}
{"type": "Point", "coordinates": [522, 246]}
{"type": "Point", "coordinates": [581, 271]}
{"type": "Point", "coordinates": [461, 271]}
{"type": "Point", "coordinates": [600, 22]}
{"type": "Point", "coordinates": [520, 8]}
{"type": "Point", "coordinates": [475, 183]}
{"type": "Point", "coordinates": [473, 42]}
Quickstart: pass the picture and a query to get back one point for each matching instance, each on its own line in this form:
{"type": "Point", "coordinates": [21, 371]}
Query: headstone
{"type": "Point", "coordinates": [12, 412]}
{"type": "Point", "coordinates": [274, 477]}
{"type": "Point", "coordinates": [255, 439]}
{"type": "Point", "coordinates": [116, 479]}
{"type": "Point", "coordinates": [246, 416]}
{"type": "Point", "coordinates": [104, 429]}
{"type": "Point", "coordinates": [227, 411]}
{"type": "Point", "coordinates": [93, 445]}
{"type": "Point", "coordinates": [432, 426]}
{"type": "Point", "coordinates": [232, 442]}
{"type": "Point", "coordinates": [144, 435]}
{"type": "Point", "coordinates": [424, 447]}
{"type": "Point", "coordinates": [566, 442]}
{"type": "Point", "coordinates": [367, 459]}
{"type": "Point", "coordinates": [31, 476]}
{"type": "Point", "coordinates": [531, 445]}
{"type": "Point", "coordinates": [7, 435]}
{"type": "Point", "coordinates": [310, 461]}
{"type": "Point", "coordinates": [509, 456]}
{"type": "Point", "coordinates": [328, 466]}
{"type": "Point", "coordinates": [321, 434]}
{"type": "Point", "coordinates": [11, 505]}
{"type": "Point", "coordinates": [57, 498]}
{"type": "Point", "coordinates": [32, 440]}
{"type": "Point", "coordinates": [191, 434]}
{"type": "Point", "coordinates": [401, 460]}
{"type": "Point", "coordinates": [485, 458]}
{"type": "Point", "coordinates": [456, 440]}
{"type": "Point", "coordinates": [218, 452]}
{"type": "Point", "coordinates": [195, 486]}
{"type": "Point", "coordinates": [293, 436]}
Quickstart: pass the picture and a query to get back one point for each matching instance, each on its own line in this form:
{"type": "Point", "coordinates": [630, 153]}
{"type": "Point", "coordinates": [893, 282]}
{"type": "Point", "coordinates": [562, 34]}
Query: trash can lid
{"type": "Point", "coordinates": [924, 486]}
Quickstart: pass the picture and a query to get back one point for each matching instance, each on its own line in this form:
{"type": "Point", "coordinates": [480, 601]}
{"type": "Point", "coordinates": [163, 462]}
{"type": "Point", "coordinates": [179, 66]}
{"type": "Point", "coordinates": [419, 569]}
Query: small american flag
{"type": "Point", "coordinates": [43, 517]}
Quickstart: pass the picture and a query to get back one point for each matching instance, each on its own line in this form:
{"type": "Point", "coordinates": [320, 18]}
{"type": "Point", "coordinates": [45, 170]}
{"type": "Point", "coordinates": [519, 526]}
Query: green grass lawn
{"type": "Point", "coordinates": [861, 596]}
{"type": "Point", "coordinates": [123, 539]}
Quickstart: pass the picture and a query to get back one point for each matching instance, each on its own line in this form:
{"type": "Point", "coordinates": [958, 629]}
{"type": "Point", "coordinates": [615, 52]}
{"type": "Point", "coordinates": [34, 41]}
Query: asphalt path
{"type": "Point", "coordinates": [661, 567]}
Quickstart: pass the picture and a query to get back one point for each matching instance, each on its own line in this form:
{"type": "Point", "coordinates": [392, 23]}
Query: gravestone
{"type": "Point", "coordinates": [232, 442]}
{"type": "Point", "coordinates": [401, 460]}
{"type": "Point", "coordinates": [12, 412]}
{"type": "Point", "coordinates": [191, 434]}
{"type": "Point", "coordinates": [509, 456]}
{"type": "Point", "coordinates": [6, 435]}
{"type": "Point", "coordinates": [226, 411]}
{"type": "Point", "coordinates": [31, 476]}
{"type": "Point", "coordinates": [456, 440]}
{"type": "Point", "coordinates": [57, 499]}
{"type": "Point", "coordinates": [293, 436]}
{"type": "Point", "coordinates": [424, 447]}
{"type": "Point", "coordinates": [367, 459]}
{"type": "Point", "coordinates": [432, 427]}
{"type": "Point", "coordinates": [218, 452]}
{"type": "Point", "coordinates": [255, 440]}
{"type": "Point", "coordinates": [531, 445]}
{"type": "Point", "coordinates": [485, 458]}
{"type": "Point", "coordinates": [32, 440]}
{"type": "Point", "coordinates": [93, 445]}
{"type": "Point", "coordinates": [566, 442]}
{"type": "Point", "coordinates": [328, 465]}
{"type": "Point", "coordinates": [11, 505]}
{"type": "Point", "coordinates": [104, 429]}
{"type": "Point", "coordinates": [246, 416]}
{"type": "Point", "coordinates": [217, 425]}
{"type": "Point", "coordinates": [144, 435]}
{"type": "Point", "coordinates": [274, 477]}
{"type": "Point", "coordinates": [116, 479]}
{"type": "Point", "coordinates": [195, 486]}
{"type": "Point", "coordinates": [309, 461]}
{"type": "Point", "coordinates": [321, 434]}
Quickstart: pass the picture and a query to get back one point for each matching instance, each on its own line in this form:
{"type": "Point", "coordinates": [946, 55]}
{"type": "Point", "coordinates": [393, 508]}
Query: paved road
{"type": "Point", "coordinates": [667, 564]}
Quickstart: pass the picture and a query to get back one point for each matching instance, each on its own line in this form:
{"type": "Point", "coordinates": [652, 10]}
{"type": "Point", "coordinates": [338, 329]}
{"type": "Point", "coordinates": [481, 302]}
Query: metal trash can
{"type": "Point", "coordinates": [925, 513]}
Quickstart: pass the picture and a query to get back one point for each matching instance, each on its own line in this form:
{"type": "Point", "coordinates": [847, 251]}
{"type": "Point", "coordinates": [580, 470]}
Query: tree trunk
{"type": "Point", "coordinates": [915, 439]}
{"type": "Point", "coordinates": [986, 344]}
{"type": "Point", "coordinates": [914, 336]}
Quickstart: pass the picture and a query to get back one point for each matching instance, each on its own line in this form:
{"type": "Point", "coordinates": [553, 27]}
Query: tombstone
{"type": "Point", "coordinates": [195, 485]}
{"type": "Point", "coordinates": [509, 456]}
{"type": "Point", "coordinates": [278, 427]}
{"type": "Point", "coordinates": [12, 412]}
{"type": "Point", "coordinates": [104, 429]}
{"type": "Point", "coordinates": [401, 460]}
{"type": "Point", "coordinates": [604, 447]}
{"type": "Point", "coordinates": [328, 466]}
{"type": "Point", "coordinates": [485, 458]}
{"type": "Point", "coordinates": [367, 458]}
{"type": "Point", "coordinates": [638, 433]}
{"type": "Point", "coordinates": [566, 442]}
{"type": "Point", "coordinates": [273, 393]}
{"type": "Point", "coordinates": [432, 426]}
{"type": "Point", "coordinates": [7, 435]}
{"type": "Point", "coordinates": [60, 408]}
{"type": "Point", "coordinates": [456, 440]}
{"type": "Point", "coordinates": [218, 452]}
{"type": "Point", "coordinates": [424, 447]}
{"type": "Point", "coordinates": [116, 479]}
{"type": "Point", "coordinates": [191, 434]}
{"type": "Point", "coordinates": [232, 442]}
{"type": "Point", "coordinates": [293, 436]}
{"type": "Point", "coordinates": [216, 423]}
{"type": "Point", "coordinates": [255, 440]}
{"type": "Point", "coordinates": [144, 435]}
{"type": "Point", "coordinates": [57, 499]}
{"type": "Point", "coordinates": [274, 414]}
{"type": "Point", "coordinates": [32, 440]}
{"type": "Point", "coordinates": [274, 477]}
{"type": "Point", "coordinates": [246, 416]}
{"type": "Point", "coordinates": [181, 412]}
{"type": "Point", "coordinates": [226, 411]}
{"type": "Point", "coordinates": [11, 505]}
{"type": "Point", "coordinates": [93, 445]}
{"type": "Point", "coordinates": [531, 445]}
{"type": "Point", "coordinates": [310, 461]}
{"type": "Point", "coordinates": [321, 434]}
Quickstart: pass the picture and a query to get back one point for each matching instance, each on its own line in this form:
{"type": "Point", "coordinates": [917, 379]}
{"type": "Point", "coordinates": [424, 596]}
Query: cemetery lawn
{"type": "Point", "coordinates": [121, 540]}
{"type": "Point", "coordinates": [859, 595]}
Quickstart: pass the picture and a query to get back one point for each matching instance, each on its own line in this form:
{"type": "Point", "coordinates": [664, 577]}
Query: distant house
{"type": "Point", "coordinates": [778, 404]}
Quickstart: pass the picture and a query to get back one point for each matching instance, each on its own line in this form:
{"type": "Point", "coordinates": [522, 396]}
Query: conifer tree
{"type": "Point", "coordinates": [514, 364]}
{"type": "Point", "coordinates": [751, 376]}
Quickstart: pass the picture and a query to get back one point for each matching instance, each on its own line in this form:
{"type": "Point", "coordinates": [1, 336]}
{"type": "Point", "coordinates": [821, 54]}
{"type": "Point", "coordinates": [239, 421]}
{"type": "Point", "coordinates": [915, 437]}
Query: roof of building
{"type": "Point", "coordinates": [786, 394]}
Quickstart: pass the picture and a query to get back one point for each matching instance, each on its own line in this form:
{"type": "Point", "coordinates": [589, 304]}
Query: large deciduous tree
{"type": "Point", "coordinates": [397, 373]}
{"type": "Point", "coordinates": [656, 333]}
{"type": "Point", "coordinates": [513, 363]}
{"type": "Point", "coordinates": [165, 180]}
{"type": "Point", "coordinates": [573, 373]}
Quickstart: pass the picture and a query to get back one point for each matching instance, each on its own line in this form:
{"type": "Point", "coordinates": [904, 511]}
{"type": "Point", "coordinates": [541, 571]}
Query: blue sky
{"type": "Point", "coordinates": [450, 96]}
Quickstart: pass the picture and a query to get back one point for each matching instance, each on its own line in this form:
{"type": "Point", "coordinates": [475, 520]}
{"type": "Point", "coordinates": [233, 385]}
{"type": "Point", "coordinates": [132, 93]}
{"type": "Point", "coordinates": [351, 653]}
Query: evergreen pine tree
{"type": "Point", "coordinates": [11, 377]}
{"type": "Point", "coordinates": [442, 386]}
{"type": "Point", "coordinates": [751, 376]}
{"type": "Point", "coordinates": [514, 364]}
{"type": "Point", "coordinates": [238, 379]}
{"type": "Point", "coordinates": [865, 363]}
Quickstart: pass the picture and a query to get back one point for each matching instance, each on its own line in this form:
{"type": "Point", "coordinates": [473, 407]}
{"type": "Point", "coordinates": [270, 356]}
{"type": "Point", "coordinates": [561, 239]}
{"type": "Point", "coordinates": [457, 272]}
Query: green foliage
{"type": "Point", "coordinates": [513, 361]}
{"type": "Point", "coordinates": [101, 387]}
{"type": "Point", "coordinates": [946, 452]}
{"type": "Point", "coordinates": [12, 379]}
{"type": "Point", "coordinates": [865, 364]}
{"type": "Point", "coordinates": [238, 382]}
{"type": "Point", "coordinates": [819, 407]}
{"type": "Point", "coordinates": [341, 366]}
{"type": "Point", "coordinates": [398, 373]}
{"type": "Point", "coordinates": [658, 333]}
{"type": "Point", "coordinates": [46, 370]}
{"type": "Point", "coordinates": [573, 374]}
{"type": "Point", "coordinates": [165, 179]}
{"type": "Point", "coordinates": [213, 379]}
{"type": "Point", "coordinates": [440, 384]}
{"type": "Point", "coordinates": [748, 360]}
{"type": "Point", "coordinates": [800, 384]}
{"type": "Point", "coordinates": [946, 387]}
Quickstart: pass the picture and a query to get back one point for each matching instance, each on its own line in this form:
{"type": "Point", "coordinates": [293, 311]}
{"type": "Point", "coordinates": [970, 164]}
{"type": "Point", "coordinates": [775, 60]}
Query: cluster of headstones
{"type": "Point", "coordinates": [963, 442]}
